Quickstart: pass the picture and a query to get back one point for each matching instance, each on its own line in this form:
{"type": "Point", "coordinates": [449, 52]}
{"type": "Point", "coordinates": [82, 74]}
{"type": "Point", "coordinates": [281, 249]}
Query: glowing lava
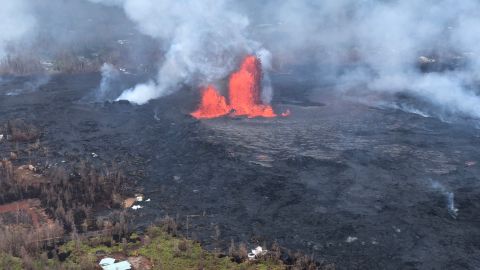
{"type": "Point", "coordinates": [244, 92]}
{"type": "Point", "coordinates": [212, 104]}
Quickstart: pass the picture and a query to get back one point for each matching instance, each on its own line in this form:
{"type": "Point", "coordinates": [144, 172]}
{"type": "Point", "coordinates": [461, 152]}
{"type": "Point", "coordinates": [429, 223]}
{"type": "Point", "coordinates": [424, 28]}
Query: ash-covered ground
{"type": "Point", "coordinates": [364, 187]}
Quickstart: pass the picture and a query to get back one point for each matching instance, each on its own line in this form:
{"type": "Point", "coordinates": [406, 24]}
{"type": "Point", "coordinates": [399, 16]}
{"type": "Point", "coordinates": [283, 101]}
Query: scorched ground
{"type": "Point", "coordinates": [360, 186]}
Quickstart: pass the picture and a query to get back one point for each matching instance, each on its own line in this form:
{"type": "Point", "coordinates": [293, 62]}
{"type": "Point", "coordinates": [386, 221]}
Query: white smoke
{"type": "Point", "coordinates": [449, 198]}
{"type": "Point", "coordinates": [16, 21]}
{"type": "Point", "coordinates": [141, 93]}
{"type": "Point", "coordinates": [33, 84]}
{"type": "Point", "coordinates": [382, 41]}
{"type": "Point", "coordinates": [110, 75]}
{"type": "Point", "coordinates": [267, 90]}
{"type": "Point", "coordinates": [202, 40]}
{"type": "Point", "coordinates": [368, 45]}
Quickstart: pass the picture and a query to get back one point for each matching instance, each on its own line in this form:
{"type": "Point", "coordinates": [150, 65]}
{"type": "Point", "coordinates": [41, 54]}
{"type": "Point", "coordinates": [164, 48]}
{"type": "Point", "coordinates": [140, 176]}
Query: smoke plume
{"type": "Point", "coordinates": [16, 22]}
{"type": "Point", "coordinates": [110, 77]}
{"type": "Point", "coordinates": [449, 197]}
{"type": "Point", "coordinates": [201, 40]}
{"type": "Point", "coordinates": [377, 46]}
{"type": "Point", "coordinates": [369, 45]}
{"type": "Point", "coordinates": [427, 49]}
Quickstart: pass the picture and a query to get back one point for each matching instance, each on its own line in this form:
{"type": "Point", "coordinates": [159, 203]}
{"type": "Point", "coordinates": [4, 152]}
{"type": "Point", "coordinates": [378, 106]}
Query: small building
{"type": "Point", "coordinates": [106, 261]}
{"type": "Point", "coordinates": [110, 264]}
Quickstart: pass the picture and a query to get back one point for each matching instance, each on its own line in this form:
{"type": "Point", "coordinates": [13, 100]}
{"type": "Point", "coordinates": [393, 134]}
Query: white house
{"type": "Point", "coordinates": [110, 264]}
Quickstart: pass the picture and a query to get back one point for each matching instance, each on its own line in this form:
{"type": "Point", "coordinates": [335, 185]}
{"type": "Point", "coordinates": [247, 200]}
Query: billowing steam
{"type": "Point", "coordinates": [425, 49]}
{"type": "Point", "coordinates": [367, 45]}
{"type": "Point", "coordinates": [110, 77]}
{"type": "Point", "coordinates": [267, 89]}
{"type": "Point", "coordinates": [201, 38]}
{"type": "Point", "coordinates": [449, 198]}
{"type": "Point", "coordinates": [375, 45]}
{"type": "Point", "coordinates": [16, 21]}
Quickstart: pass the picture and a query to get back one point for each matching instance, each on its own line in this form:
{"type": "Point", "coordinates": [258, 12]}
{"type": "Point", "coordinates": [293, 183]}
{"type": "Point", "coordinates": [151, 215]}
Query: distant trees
{"type": "Point", "coordinates": [18, 240]}
{"type": "Point", "coordinates": [19, 130]}
{"type": "Point", "coordinates": [69, 197]}
{"type": "Point", "coordinates": [64, 199]}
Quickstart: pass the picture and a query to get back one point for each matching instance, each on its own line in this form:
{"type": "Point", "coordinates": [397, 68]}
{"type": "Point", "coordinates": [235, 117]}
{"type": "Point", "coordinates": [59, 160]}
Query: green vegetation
{"type": "Point", "coordinates": [10, 262]}
{"type": "Point", "coordinates": [168, 252]}
{"type": "Point", "coordinates": [156, 249]}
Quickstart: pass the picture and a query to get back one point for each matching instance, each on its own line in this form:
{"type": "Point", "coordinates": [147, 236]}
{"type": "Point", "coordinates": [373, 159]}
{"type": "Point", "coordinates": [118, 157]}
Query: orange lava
{"type": "Point", "coordinates": [245, 90]}
{"type": "Point", "coordinates": [212, 105]}
{"type": "Point", "coordinates": [244, 95]}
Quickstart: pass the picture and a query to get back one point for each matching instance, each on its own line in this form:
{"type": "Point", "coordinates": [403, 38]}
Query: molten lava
{"type": "Point", "coordinates": [244, 92]}
{"type": "Point", "coordinates": [212, 104]}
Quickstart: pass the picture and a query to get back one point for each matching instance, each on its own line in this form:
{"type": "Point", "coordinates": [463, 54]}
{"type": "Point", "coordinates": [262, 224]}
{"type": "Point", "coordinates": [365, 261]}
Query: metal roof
{"type": "Point", "coordinates": [109, 264]}
{"type": "Point", "coordinates": [124, 265]}
{"type": "Point", "coordinates": [107, 261]}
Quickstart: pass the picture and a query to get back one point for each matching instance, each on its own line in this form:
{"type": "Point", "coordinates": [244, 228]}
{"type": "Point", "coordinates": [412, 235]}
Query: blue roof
{"type": "Point", "coordinates": [107, 261]}
{"type": "Point", "coordinates": [125, 265]}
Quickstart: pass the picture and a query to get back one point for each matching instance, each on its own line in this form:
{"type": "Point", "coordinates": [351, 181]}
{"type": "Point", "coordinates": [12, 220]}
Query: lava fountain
{"type": "Point", "coordinates": [244, 95]}
{"type": "Point", "coordinates": [245, 90]}
{"type": "Point", "coordinates": [212, 104]}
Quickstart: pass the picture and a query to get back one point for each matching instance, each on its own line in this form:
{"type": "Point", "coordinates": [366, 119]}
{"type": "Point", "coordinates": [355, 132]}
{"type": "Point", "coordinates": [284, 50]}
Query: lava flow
{"type": "Point", "coordinates": [212, 105]}
{"type": "Point", "coordinates": [244, 92]}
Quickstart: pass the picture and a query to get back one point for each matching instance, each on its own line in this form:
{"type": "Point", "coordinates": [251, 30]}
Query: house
{"type": "Point", "coordinates": [110, 264]}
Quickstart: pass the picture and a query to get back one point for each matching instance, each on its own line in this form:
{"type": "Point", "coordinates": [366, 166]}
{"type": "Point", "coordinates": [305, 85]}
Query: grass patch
{"type": "Point", "coordinates": [9, 262]}
{"type": "Point", "coordinates": [157, 247]}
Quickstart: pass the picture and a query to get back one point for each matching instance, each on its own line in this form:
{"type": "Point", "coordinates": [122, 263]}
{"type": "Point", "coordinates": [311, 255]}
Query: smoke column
{"type": "Point", "coordinates": [374, 46]}
{"type": "Point", "coordinates": [380, 42]}
{"type": "Point", "coordinates": [449, 198]}
{"type": "Point", "coordinates": [16, 22]}
{"type": "Point", "coordinates": [110, 76]}
{"type": "Point", "coordinates": [361, 47]}
{"type": "Point", "coordinates": [201, 38]}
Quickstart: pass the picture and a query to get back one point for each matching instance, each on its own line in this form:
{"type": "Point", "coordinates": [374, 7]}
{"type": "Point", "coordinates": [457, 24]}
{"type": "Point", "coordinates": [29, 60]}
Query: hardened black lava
{"type": "Point", "coordinates": [359, 186]}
